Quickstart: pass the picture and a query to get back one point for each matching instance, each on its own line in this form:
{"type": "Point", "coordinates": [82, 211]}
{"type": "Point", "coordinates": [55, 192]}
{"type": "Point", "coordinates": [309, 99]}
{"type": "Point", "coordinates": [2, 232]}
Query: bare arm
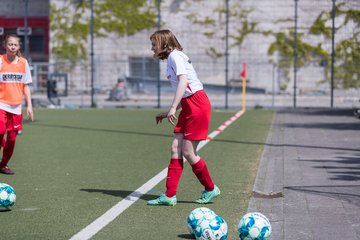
{"type": "Point", "coordinates": [27, 95]}
{"type": "Point", "coordinates": [175, 103]}
{"type": "Point", "coordinates": [183, 82]}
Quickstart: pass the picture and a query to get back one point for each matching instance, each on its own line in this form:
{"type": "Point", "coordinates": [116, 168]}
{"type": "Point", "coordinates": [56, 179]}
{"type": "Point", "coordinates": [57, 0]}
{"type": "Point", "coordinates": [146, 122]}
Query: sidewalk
{"type": "Point", "coordinates": [312, 158]}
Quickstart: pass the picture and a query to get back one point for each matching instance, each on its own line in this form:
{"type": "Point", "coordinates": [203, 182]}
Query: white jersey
{"type": "Point", "coordinates": [178, 64]}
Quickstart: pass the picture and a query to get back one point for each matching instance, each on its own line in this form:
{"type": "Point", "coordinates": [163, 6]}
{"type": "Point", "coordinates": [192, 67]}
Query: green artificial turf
{"type": "Point", "coordinates": [73, 165]}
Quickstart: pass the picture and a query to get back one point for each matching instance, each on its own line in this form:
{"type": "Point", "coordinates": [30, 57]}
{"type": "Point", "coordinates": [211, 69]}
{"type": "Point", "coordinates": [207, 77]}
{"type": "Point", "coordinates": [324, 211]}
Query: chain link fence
{"type": "Point", "coordinates": [308, 60]}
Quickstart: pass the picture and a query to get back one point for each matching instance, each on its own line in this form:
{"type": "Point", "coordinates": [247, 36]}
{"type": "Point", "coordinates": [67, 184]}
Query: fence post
{"type": "Point", "coordinates": [295, 50]}
{"type": "Point", "coordinates": [158, 61]}
{"type": "Point", "coordinates": [226, 53]}
{"type": "Point", "coordinates": [93, 104]}
{"type": "Point", "coordinates": [332, 53]}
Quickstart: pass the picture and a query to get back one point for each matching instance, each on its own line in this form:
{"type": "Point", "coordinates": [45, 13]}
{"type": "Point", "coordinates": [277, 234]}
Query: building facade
{"type": "Point", "coordinates": [200, 27]}
{"type": "Point", "coordinates": [12, 21]}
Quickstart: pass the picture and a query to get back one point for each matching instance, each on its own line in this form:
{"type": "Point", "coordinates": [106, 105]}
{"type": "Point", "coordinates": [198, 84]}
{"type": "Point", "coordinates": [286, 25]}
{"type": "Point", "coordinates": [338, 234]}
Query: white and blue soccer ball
{"type": "Point", "coordinates": [197, 215]}
{"type": "Point", "coordinates": [254, 226]}
{"type": "Point", "coordinates": [7, 196]}
{"type": "Point", "coordinates": [211, 228]}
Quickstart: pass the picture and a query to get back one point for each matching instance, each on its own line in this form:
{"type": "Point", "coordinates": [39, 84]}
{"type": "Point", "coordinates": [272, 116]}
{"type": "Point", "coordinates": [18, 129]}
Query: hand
{"type": "Point", "coordinates": [171, 115]}
{"type": "Point", "coordinates": [159, 117]}
{"type": "Point", "coordinates": [30, 114]}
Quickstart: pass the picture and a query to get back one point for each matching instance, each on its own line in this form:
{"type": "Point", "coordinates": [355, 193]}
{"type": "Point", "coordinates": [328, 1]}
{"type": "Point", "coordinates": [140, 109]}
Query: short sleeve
{"type": "Point", "coordinates": [28, 78]}
{"type": "Point", "coordinates": [178, 63]}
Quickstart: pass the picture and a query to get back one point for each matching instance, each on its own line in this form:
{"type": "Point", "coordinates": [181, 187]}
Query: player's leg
{"type": "Point", "coordinates": [201, 171]}
{"type": "Point", "coordinates": [8, 151]}
{"type": "Point", "coordinates": [3, 119]}
{"type": "Point", "coordinates": [3, 142]}
{"type": "Point", "coordinates": [13, 124]}
{"type": "Point", "coordinates": [198, 165]}
{"type": "Point", "coordinates": [196, 129]}
{"type": "Point", "coordinates": [175, 169]}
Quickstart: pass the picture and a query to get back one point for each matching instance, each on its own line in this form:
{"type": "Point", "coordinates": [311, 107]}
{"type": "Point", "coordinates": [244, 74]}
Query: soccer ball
{"type": "Point", "coordinates": [197, 215]}
{"type": "Point", "coordinates": [211, 228]}
{"type": "Point", "coordinates": [7, 196]}
{"type": "Point", "coordinates": [254, 225]}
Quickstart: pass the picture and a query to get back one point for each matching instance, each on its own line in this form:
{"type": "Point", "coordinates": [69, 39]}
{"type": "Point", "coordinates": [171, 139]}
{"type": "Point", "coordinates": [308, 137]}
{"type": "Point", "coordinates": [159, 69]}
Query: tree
{"type": "Point", "coordinates": [70, 23]}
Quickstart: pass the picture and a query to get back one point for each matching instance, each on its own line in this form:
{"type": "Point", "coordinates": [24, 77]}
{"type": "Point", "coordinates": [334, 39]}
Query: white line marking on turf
{"type": "Point", "coordinates": [116, 210]}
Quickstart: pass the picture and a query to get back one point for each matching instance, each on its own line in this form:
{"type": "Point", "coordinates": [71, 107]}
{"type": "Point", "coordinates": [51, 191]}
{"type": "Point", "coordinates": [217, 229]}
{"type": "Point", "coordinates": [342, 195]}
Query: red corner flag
{"type": "Point", "coordinates": [243, 72]}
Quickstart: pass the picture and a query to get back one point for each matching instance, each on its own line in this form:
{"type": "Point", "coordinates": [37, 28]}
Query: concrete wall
{"type": "Point", "coordinates": [270, 15]}
{"type": "Point", "coordinates": [16, 8]}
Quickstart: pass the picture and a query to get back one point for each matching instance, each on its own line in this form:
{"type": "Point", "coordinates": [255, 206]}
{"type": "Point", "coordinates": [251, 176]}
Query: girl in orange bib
{"type": "Point", "coordinates": [15, 78]}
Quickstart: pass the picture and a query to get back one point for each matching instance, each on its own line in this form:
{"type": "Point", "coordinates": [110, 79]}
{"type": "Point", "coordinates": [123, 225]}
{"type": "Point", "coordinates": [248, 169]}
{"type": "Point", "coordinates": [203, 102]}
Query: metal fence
{"type": "Point", "coordinates": [74, 87]}
{"type": "Point", "coordinates": [327, 75]}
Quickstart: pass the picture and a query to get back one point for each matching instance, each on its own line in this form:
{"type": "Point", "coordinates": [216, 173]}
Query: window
{"type": "Point", "coordinates": [143, 67]}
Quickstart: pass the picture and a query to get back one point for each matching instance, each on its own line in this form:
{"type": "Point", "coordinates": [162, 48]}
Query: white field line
{"type": "Point", "coordinates": [117, 209]}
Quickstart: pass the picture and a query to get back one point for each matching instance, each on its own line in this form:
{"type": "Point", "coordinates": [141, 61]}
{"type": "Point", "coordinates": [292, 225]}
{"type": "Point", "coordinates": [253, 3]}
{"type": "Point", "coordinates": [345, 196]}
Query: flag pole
{"type": "Point", "coordinates": [243, 97]}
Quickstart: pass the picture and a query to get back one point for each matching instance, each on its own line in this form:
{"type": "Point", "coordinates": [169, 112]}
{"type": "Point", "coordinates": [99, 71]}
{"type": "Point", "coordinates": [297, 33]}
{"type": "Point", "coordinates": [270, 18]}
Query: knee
{"type": "Point", "coordinates": [2, 129]}
{"type": "Point", "coordinates": [175, 149]}
{"type": "Point", "coordinates": [11, 136]}
{"type": "Point", "coordinates": [188, 153]}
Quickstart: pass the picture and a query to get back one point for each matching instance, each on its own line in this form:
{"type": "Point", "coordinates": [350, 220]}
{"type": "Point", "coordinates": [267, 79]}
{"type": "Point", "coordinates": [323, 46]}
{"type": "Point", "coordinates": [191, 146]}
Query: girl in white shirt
{"type": "Point", "coordinates": [193, 122]}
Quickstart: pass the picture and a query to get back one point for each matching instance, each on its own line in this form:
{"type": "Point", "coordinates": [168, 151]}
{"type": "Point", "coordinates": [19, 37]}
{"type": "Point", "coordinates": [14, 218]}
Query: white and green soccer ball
{"type": "Point", "coordinates": [7, 196]}
{"type": "Point", "coordinates": [197, 215]}
{"type": "Point", "coordinates": [254, 225]}
{"type": "Point", "coordinates": [211, 228]}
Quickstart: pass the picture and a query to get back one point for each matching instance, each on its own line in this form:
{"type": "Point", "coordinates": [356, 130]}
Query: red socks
{"type": "Point", "coordinates": [175, 169]}
{"type": "Point", "coordinates": [202, 173]}
{"type": "Point", "coordinates": [8, 148]}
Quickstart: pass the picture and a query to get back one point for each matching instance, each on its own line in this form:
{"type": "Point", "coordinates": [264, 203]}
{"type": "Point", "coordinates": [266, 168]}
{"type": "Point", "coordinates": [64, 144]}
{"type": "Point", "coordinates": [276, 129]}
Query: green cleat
{"type": "Point", "coordinates": [163, 200]}
{"type": "Point", "coordinates": [206, 197]}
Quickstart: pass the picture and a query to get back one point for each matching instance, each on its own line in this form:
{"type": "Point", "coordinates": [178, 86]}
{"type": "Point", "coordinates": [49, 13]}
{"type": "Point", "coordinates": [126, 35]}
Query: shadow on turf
{"type": "Point", "coordinates": [186, 236]}
{"type": "Point", "coordinates": [121, 193]}
{"type": "Point", "coordinates": [127, 194]}
{"type": "Point", "coordinates": [78, 128]}
{"type": "Point", "coordinates": [5, 210]}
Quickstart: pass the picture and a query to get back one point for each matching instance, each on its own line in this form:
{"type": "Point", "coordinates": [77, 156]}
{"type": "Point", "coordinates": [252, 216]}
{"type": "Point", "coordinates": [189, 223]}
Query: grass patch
{"type": "Point", "coordinates": [73, 165]}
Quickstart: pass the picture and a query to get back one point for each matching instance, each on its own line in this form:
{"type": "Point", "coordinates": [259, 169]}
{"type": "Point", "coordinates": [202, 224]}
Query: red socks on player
{"type": "Point", "coordinates": [8, 148]}
{"type": "Point", "coordinates": [175, 169]}
{"type": "Point", "coordinates": [202, 173]}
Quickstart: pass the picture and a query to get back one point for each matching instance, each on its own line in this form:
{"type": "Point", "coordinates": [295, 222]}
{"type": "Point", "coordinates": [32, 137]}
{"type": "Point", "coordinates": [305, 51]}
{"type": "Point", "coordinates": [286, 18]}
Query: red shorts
{"type": "Point", "coordinates": [194, 118]}
{"type": "Point", "coordinates": [10, 121]}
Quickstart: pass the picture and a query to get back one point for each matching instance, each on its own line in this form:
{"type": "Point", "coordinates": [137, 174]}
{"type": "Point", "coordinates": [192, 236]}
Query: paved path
{"type": "Point", "coordinates": [312, 157]}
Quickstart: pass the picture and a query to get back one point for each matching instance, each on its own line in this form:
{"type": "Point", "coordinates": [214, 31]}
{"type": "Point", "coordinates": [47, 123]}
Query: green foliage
{"type": "Point", "coordinates": [319, 26]}
{"type": "Point", "coordinates": [212, 52]}
{"type": "Point", "coordinates": [284, 46]}
{"type": "Point", "coordinates": [69, 34]}
{"type": "Point", "coordinates": [207, 21]}
{"type": "Point", "coordinates": [242, 33]}
{"type": "Point", "coordinates": [124, 17]}
{"type": "Point", "coordinates": [346, 69]}
{"type": "Point", "coordinates": [237, 14]}
{"type": "Point", "coordinates": [209, 34]}
{"type": "Point", "coordinates": [70, 24]}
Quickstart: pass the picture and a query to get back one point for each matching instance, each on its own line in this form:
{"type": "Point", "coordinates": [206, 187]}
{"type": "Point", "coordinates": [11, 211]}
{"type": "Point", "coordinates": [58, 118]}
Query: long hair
{"type": "Point", "coordinates": [19, 54]}
{"type": "Point", "coordinates": [165, 42]}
